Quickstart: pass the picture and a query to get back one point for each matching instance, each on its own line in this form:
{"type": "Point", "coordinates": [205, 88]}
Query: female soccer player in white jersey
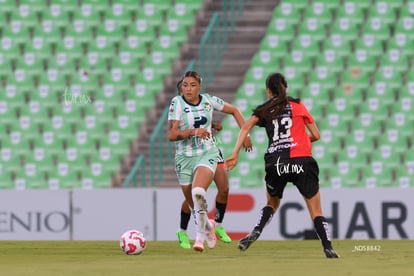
{"type": "Point", "coordinates": [190, 117]}
{"type": "Point", "coordinates": [222, 183]}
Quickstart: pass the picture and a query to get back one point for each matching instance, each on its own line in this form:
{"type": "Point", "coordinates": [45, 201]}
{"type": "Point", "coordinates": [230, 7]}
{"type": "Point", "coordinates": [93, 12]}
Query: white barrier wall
{"type": "Point", "coordinates": [105, 214]}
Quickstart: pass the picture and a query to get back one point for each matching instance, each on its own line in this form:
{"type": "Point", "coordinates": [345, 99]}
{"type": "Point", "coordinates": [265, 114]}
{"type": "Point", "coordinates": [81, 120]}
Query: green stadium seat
{"type": "Point", "coordinates": [401, 123]}
{"type": "Point", "coordinates": [273, 46]}
{"type": "Point", "coordinates": [172, 33]}
{"type": "Point", "coordinates": [378, 175]}
{"type": "Point", "coordinates": [395, 4]}
{"type": "Point", "coordinates": [143, 30]}
{"type": "Point", "coordinates": [390, 75]}
{"type": "Point", "coordinates": [351, 11]}
{"type": "Point", "coordinates": [330, 59]}
{"type": "Point", "coordinates": [371, 44]}
{"type": "Point", "coordinates": [121, 13]}
{"type": "Point", "coordinates": [43, 95]}
{"type": "Point", "coordinates": [404, 177]}
{"type": "Point", "coordinates": [64, 178]}
{"type": "Point", "coordinates": [50, 142]}
{"type": "Point", "coordinates": [404, 105]}
{"type": "Point", "coordinates": [405, 25]}
{"type": "Point", "coordinates": [280, 28]}
{"type": "Point", "coordinates": [15, 138]}
{"type": "Point", "coordinates": [314, 27]}
{"type": "Point", "coordinates": [191, 5]}
{"type": "Point", "coordinates": [181, 14]}
{"type": "Point", "coordinates": [353, 154]}
{"type": "Point", "coordinates": [167, 46]}
{"type": "Point", "coordinates": [133, 47]}
{"type": "Point", "coordinates": [41, 158]}
{"type": "Point", "coordinates": [126, 64]}
{"type": "Point", "coordinates": [376, 27]}
{"type": "Point", "coordinates": [38, 49]}
{"type": "Point", "coordinates": [88, 15]}
{"type": "Point", "coordinates": [8, 6]}
{"type": "Point", "coordinates": [57, 16]}
{"type": "Point", "coordinates": [383, 11]}
{"type": "Point", "coordinates": [153, 12]}
{"type": "Point", "coordinates": [97, 5]}
{"type": "Point", "coordinates": [331, 140]}
{"type": "Point", "coordinates": [128, 113]}
{"type": "Point", "coordinates": [322, 11]}
{"type": "Point", "coordinates": [122, 132]}
{"type": "Point", "coordinates": [102, 168]}
{"type": "Point", "coordinates": [30, 65]}
{"type": "Point", "coordinates": [36, 112]}
{"type": "Point", "coordinates": [307, 44]}
{"type": "Point", "coordinates": [67, 50]}
{"type": "Point", "coordinates": [344, 176]}
{"type": "Point", "coordinates": [386, 154]}
{"type": "Point", "coordinates": [288, 12]}
{"type": "Point", "coordinates": [354, 80]}
{"type": "Point", "coordinates": [301, 60]}
{"type": "Point", "coordinates": [26, 15]}
{"type": "Point", "coordinates": [344, 29]}
{"type": "Point", "coordinates": [362, 61]}
{"type": "Point", "coordinates": [394, 59]}
{"type": "Point", "coordinates": [11, 159]}
{"type": "Point", "coordinates": [82, 141]}
{"type": "Point", "coordinates": [400, 43]}
{"type": "Point", "coordinates": [78, 32]}
{"type": "Point", "coordinates": [7, 113]}
{"type": "Point", "coordinates": [63, 7]}
{"type": "Point", "coordinates": [324, 157]}
{"type": "Point", "coordinates": [116, 79]}
{"type": "Point", "coordinates": [337, 44]}
{"type": "Point", "coordinates": [6, 182]}
{"type": "Point", "coordinates": [47, 34]}
{"type": "Point", "coordinates": [110, 31]}
{"type": "Point", "coordinates": [294, 78]}
{"type": "Point", "coordinates": [150, 79]}
{"type": "Point", "coordinates": [99, 48]}
{"type": "Point", "coordinates": [326, 79]}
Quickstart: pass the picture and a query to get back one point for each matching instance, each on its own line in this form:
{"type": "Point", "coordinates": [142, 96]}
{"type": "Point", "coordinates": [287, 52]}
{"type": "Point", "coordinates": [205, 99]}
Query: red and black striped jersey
{"type": "Point", "coordinates": [287, 133]}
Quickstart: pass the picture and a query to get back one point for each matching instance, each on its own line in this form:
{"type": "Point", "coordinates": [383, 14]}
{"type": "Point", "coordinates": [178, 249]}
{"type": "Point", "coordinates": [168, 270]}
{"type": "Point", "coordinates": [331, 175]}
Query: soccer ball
{"type": "Point", "coordinates": [133, 242]}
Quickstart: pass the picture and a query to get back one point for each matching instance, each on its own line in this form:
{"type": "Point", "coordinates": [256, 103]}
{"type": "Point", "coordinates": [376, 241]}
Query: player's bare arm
{"type": "Point", "coordinates": [175, 134]}
{"type": "Point", "coordinates": [314, 134]}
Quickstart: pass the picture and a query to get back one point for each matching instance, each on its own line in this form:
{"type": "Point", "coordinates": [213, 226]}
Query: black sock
{"type": "Point", "coordinates": [321, 228]}
{"type": "Point", "coordinates": [185, 218]}
{"type": "Point", "coordinates": [266, 215]}
{"type": "Point", "coordinates": [220, 211]}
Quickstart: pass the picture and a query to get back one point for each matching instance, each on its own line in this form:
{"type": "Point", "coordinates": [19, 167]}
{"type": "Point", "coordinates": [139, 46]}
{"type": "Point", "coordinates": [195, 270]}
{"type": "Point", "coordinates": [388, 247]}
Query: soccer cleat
{"type": "Point", "coordinates": [221, 233]}
{"type": "Point", "coordinates": [210, 235]}
{"type": "Point", "coordinates": [330, 253]}
{"type": "Point", "coordinates": [198, 246]}
{"type": "Point", "coordinates": [248, 240]}
{"type": "Point", "coordinates": [183, 239]}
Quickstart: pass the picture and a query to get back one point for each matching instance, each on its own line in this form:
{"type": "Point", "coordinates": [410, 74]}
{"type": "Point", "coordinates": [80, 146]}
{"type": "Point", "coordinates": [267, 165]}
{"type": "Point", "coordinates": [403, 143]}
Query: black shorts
{"type": "Point", "coordinates": [303, 172]}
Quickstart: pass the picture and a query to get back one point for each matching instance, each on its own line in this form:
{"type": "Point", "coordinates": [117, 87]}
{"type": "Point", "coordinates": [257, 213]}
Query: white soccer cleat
{"type": "Point", "coordinates": [198, 246]}
{"type": "Point", "coordinates": [211, 235]}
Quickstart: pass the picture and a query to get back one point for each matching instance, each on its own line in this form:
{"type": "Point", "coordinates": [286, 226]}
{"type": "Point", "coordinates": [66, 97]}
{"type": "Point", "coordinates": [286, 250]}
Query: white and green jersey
{"type": "Point", "coordinates": [194, 116]}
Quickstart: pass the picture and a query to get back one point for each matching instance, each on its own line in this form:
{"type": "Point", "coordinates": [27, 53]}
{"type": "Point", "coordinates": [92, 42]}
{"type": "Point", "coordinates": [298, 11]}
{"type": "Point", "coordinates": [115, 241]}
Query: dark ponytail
{"type": "Point", "coordinates": [277, 85]}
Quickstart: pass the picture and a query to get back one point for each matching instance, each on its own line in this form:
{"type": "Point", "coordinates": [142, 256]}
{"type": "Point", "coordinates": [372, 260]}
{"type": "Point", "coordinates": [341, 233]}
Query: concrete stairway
{"type": "Point", "coordinates": [243, 43]}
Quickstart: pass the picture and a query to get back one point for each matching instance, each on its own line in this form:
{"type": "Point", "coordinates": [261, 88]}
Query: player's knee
{"type": "Point", "coordinates": [198, 192]}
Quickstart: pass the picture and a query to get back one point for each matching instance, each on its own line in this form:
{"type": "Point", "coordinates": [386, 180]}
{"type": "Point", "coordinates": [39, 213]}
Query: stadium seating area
{"type": "Point", "coordinates": [57, 130]}
{"type": "Point", "coordinates": [350, 62]}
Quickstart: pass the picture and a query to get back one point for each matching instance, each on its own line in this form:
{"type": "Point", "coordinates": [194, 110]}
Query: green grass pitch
{"type": "Point", "coordinates": [89, 258]}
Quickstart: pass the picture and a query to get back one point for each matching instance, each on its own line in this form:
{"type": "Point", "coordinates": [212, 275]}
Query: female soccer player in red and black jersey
{"type": "Point", "coordinates": [290, 129]}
